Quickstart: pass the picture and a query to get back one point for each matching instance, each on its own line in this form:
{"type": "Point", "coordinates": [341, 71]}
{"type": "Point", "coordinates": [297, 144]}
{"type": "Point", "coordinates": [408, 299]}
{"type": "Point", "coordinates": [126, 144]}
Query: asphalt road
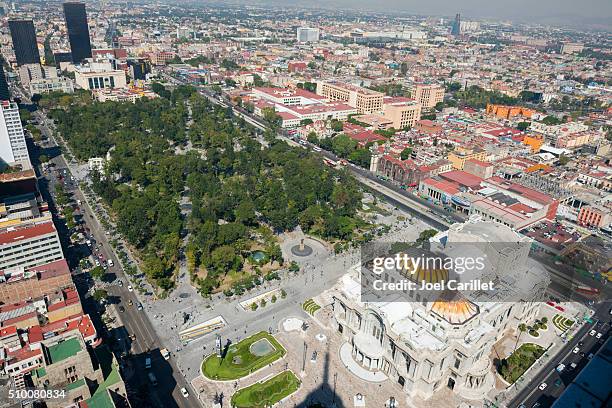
{"type": "Point", "coordinates": [167, 392]}
{"type": "Point", "coordinates": [531, 395]}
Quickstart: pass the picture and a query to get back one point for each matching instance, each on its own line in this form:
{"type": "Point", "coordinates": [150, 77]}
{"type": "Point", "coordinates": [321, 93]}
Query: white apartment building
{"type": "Point", "coordinates": [29, 245]}
{"type": "Point", "coordinates": [307, 34]}
{"type": "Point", "coordinates": [46, 85]}
{"type": "Point", "coordinates": [13, 148]}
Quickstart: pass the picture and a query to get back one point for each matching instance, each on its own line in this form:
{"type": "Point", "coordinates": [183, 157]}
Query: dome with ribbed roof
{"type": "Point", "coordinates": [430, 275]}
{"type": "Point", "coordinates": [453, 307]}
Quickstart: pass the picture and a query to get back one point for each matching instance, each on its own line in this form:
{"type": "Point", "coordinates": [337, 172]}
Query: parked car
{"type": "Point", "coordinates": [542, 386]}
{"type": "Point", "coordinates": [130, 288]}
{"type": "Point", "coordinates": [576, 350]}
{"type": "Point", "coordinates": [185, 392]}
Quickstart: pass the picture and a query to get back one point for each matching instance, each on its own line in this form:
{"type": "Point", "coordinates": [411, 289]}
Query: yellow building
{"type": "Point", "coordinates": [364, 100]}
{"type": "Point", "coordinates": [535, 142]}
{"type": "Point", "coordinates": [460, 155]}
{"type": "Point", "coordinates": [428, 95]}
{"type": "Point", "coordinates": [402, 112]}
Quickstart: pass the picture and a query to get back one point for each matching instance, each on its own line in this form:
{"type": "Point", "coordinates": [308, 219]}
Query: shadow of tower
{"type": "Point", "coordinates": [324, 395]}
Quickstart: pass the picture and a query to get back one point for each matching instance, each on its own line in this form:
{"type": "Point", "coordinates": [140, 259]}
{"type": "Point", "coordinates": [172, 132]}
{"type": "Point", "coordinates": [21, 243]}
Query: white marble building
{"type": "Point", "coordinates": [424, 346]}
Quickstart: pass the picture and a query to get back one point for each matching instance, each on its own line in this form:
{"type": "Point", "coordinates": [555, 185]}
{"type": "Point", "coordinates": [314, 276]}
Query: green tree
{"type": "Point", "coordinates": [405, 154]}
{"type": "Point", "coordinates": [312, 137]}
{"type": "Point", "coordinates": [336, 125]}
{"type": "Point", "coordinates": [97, 272]}
{"type": "Point", "coordinates": [523, 126]}
{"type": "Point", "coordinates": [522, 329]}
{"type": "Point", "coordinates": [160, 90]}
{"type": "Point", "coordinates": [343, 145]}
{"type": "Point", "coordinates": [273, 118]}
{"type": "Point", "coordinates": [551, 120]}
{"type": "Point", "coordinates": [425, 235]}
{"type": "Point", "coordinates": [100, 294]}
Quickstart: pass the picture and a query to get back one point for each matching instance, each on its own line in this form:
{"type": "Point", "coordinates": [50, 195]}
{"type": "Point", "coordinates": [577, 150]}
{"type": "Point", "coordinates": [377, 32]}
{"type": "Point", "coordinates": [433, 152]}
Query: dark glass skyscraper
{"type": "Point", "coordinates": [5, 95]}
{"type": "Point", "coordinates": [78, 31]}
{"type": "Point", "coordinates": [456, 28]}
{"type": "Point", "coordinates": [24, 41]}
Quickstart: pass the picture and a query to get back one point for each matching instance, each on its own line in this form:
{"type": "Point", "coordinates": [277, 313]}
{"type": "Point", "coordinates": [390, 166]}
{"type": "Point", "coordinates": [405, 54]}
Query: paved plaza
{"type": "Point", "coordinates": [184, 308]}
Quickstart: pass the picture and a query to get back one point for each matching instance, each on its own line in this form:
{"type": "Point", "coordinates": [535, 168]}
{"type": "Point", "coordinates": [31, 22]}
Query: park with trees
{"type": "Point", "coordinates": [242, 196]}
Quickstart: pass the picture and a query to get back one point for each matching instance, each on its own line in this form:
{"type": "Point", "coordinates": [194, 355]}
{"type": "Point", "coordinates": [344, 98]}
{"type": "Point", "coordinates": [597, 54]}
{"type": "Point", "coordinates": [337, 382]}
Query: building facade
{"type": "Point", "coordinates": [426, 346]}
{"type": "Point", "coordinates": [13, 148]}
{"type": "Point", "coordinates": [78, 31]}
{"type": "Point", "coordinates": [403, 113]}
{"type": "Point", "coordinates": [428, 95]}
{"type": "Point", "coordinates": [25, 45]}
{"type": "Point", "coordinates": [98, 79]}
{"type": "Point", "coordinates": [307, 34]}
{"type": "Point", "coordinates": [365, 100]}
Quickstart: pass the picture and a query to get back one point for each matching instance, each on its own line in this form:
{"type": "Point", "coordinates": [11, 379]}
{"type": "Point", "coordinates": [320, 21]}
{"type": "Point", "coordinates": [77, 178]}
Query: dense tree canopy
{"type": "Point", "coordinates": [181, 145]}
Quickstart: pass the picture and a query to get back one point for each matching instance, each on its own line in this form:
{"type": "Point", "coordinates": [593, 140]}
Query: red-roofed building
{"type": "Point", "coordinates": [29, 245]}
{"type": "Point", "coordinates": [462, 179]}
{"type": "Point", "coordinates": [34, 282]}
{"type": "Point", "coordinates": [479, 168]}
{"type": "Point", "coordinates": [365, 137]}
{"type": "Point", "coordinates": [295, 66]}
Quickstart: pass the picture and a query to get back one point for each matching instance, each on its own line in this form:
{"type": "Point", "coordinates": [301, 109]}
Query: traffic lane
{"type": "Point", "coordinates": [556, 381]}
{"type": "Point", "coordinates": [139, 321]}
{"type": "Point", "coordinates": [532, 392]}
{"type": "Point", "coordinates": [136, 322]}
{"type": "Point", "coordinates": [526, 393]}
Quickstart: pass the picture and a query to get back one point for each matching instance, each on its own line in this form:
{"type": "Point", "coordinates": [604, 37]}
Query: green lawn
{"type": "Point", "coordinates": [239, 361]}
{"type": "Point", "coordinates": [518, 362]}
{"type": "Point", "coordinates": [562, 323]}
{"type": "Point", "coordinates": [267, 393]}
{"type": "Point", "coordinates": [310, 306]}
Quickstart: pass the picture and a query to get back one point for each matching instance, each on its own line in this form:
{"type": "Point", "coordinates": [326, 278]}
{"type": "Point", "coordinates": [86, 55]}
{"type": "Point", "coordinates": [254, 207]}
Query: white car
{"type": "Point", "coordinates": [542, 386]}
{"type": "Point", "coordinates": [560, 368]}
{"type": "Point", "coordinates": [576, 350]}
{"type": "Point", "coordinates": [592, 333]}
{"type": "Point", "coordinates": [130, 288]}
{"type": "Point", "coordinates": [598, 335]}
{"type": "Point", "coordinates": [185, 392]}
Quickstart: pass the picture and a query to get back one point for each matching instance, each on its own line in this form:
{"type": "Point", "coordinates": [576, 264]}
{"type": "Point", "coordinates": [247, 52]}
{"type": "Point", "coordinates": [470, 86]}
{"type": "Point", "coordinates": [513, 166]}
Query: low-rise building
{"type": "Point", "coordinates": [46, 85]}
{"type": "Point", "coordinates": [428, 95]}
{"type": "Point", "coordinates": [364, 100]}
{"type": "Point", "coordinates": [402, 112]}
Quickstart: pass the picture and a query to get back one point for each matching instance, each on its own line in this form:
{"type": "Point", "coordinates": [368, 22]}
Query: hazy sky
{"type": "Point", "coordinates": [568, 10]}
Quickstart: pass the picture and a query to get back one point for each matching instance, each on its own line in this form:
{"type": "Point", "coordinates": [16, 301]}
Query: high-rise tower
{"type": "Point", "coordinates": [24, 42]}
{"type": "Point", "coordinates": [456, 29]}
{"type": "Point", "coordinates": [78, 31]}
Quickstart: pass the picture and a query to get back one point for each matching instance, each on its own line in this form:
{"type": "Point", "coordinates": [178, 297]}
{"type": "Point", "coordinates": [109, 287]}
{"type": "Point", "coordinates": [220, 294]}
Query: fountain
{"type": "Point", "coordinates": [302, 249]}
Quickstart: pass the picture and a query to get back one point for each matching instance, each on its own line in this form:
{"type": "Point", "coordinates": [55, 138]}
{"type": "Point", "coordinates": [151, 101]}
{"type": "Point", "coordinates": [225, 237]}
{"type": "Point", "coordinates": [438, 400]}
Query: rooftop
{"type": "Point", "coordinates": [64, 349]}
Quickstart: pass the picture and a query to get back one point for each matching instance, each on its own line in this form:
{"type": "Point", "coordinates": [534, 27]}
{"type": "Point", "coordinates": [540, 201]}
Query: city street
{"type": "Point", "coordinates": [530, 395]}
{"type": "Point", "coordinates": [167, 393]}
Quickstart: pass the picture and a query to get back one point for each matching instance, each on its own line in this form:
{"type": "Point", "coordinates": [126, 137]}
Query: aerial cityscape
{"type": "Point", "coordinates": [325, 205]}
